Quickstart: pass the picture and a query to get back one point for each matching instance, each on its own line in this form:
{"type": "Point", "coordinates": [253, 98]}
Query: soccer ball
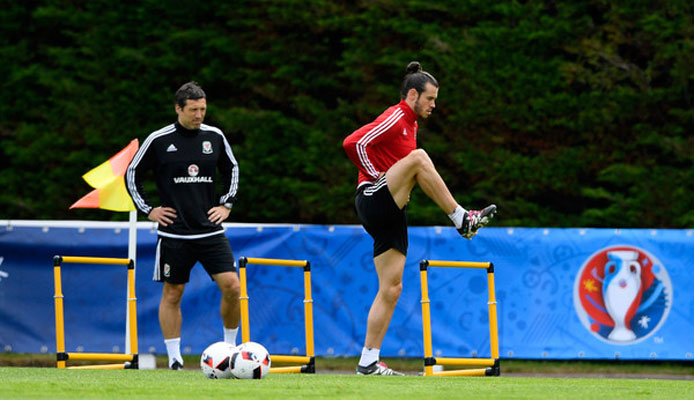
{"type": "Point", "coordinates": [215, 360]}
{"type": "Point", "coordinates": [251, 361]}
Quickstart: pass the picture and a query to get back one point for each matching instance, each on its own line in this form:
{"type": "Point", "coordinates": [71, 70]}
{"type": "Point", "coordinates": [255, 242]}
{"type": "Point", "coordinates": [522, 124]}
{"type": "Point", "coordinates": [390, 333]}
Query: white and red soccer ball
{"type": "Point", "coordinates": [251, 361]}
{"type": "Point", "coordinates": [215, 361]}
{"type": "Point", "coordinates": [248, 360]}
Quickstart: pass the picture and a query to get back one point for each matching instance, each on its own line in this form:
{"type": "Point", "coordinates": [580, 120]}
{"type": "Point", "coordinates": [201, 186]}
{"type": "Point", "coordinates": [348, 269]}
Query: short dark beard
{"type": "Point", "coordinates": [418, 108]}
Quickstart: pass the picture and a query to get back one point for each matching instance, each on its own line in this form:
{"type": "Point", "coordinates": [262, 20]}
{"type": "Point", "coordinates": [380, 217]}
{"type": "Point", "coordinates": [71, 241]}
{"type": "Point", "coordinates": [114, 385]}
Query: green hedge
{"type": "Point", "coordinates": [562, 113]}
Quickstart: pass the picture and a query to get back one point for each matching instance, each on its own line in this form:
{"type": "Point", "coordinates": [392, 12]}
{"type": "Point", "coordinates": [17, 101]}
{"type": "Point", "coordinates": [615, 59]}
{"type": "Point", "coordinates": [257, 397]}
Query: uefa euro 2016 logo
{"type": "Point", "coordinates": [622, 294]}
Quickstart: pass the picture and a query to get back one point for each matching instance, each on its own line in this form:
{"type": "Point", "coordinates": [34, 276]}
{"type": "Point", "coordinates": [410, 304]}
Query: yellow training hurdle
{"type": "Point", "coordinates": [130, 361]}
{"type": "Point", "coordinates": [491, 364]}
{"type": "Point", "coordinates": [307, 362]}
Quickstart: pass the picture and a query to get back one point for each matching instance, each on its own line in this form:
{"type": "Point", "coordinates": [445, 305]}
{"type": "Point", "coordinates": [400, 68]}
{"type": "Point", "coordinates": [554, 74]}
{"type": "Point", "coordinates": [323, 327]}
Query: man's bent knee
{"type": "Point", "coordinates": [231, 291]}
{"type": "Point", "coordinates": [420, 158]}
{"type": "Point", "coordinates": [228, 284]}
{"type": "Point", "coordinates": [172, 294]}
{"type": "Point", "coordinates": [391, 294]}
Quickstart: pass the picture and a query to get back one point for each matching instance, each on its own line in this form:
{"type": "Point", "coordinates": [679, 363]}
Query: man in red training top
{"type": "Point", "coordinates": [385, 152]}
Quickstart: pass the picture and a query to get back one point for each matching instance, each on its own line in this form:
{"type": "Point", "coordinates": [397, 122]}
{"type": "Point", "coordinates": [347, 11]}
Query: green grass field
{"type": "Point", "coordinates": [622, 368]}
{"type": "Point", "coordinates": [43, 383]}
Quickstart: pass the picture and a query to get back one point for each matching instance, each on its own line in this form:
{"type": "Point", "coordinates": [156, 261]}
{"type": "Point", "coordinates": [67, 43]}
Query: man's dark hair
{"type": "Point", "coordinates": [189, 91]}
{"type": "Point", "coordinates": [416, 79]}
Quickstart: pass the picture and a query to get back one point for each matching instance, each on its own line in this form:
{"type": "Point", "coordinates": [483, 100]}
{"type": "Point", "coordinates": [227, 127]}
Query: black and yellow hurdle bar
{"type": "Point", "coordinates": [307, 362]}
{"type": "Point", "coordinates": [492, 367]}
{"type": "Point", "coordinates": [130, 361]}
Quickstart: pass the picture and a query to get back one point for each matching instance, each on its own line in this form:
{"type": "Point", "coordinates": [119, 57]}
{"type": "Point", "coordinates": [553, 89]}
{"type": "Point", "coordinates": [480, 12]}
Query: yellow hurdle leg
{"type": "Point", "coordinates": [285, 370]}
{"type": "Point", "coordinates": [426, 320]}
{"type": "Point", "coordinates": [132, 309]}
{"type": "Point", "coordinates": [100, 357]}
{"type": "Point", "coordinates": [96, 260]}
{"type": "Point", "coordinates": [286, 359]}
{"type": "Point", "coordinates": [462, 372]}
{"type": "Point", "coordinates": [493, 328]}
{"type": "Point", "coordinates": [308, 311]}
{"type": "Point", "coordinates": [98, 366]}
{"type": "Point", "coordinates": [458, 264]}
{"type": "Point", "coordinates": [243, 303]}
{"type": "Point", "coordinates": [59, 324]}
{"type": "Point", "coordinates": [276, 261]}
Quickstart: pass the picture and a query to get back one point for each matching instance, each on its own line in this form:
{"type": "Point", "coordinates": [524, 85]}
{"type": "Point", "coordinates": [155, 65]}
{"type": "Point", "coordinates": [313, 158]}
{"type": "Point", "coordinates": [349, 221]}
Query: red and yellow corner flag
{"type": "Point", "coordinates": [109, 183]}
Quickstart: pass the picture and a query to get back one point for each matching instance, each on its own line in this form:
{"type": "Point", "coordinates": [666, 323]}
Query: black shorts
{"type": "Point", "coordinates": [175, 258]}
{"type": "Point", "coordinates": [381, 217]}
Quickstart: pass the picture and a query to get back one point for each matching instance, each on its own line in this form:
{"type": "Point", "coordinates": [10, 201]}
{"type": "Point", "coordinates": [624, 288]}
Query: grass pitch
{"type": "Point", "coordinates": [42, 383]}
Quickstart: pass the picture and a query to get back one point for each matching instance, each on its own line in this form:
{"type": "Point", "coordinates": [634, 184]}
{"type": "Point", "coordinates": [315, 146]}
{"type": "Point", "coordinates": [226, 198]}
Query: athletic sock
{"type": "Point", "coordinates": [457, 216]}
{"type": "Point", "coordinates": [230, 335]}
{"type": "Point", "coordinates": [369, 355]}
{"type": "Point", "coordinates": [173, 349]}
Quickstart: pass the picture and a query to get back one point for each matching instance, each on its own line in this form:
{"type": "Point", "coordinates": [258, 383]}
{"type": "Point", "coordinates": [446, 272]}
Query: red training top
{"type": "Point", "coordinates": [376, 146]}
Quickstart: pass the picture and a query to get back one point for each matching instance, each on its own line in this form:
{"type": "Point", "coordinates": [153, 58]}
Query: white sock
{"type": "Point", "coordinates": [368, 356]}
{"type": "Point", "coordinates": [230, 335]}
{"type": "Point", "coordinates": [173, 349]}
{"type": "Point", "coordinates": [457, 216]}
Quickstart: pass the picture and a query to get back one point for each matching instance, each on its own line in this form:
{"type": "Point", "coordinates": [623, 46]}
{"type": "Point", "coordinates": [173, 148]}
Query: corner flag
{"type": "Point", "coordinates": [109, 183]}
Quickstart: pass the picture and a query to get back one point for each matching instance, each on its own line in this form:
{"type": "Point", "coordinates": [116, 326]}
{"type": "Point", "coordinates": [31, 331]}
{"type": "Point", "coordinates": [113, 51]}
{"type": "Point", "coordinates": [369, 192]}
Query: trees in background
{"type": "Point", "coordinates": [562, 113]}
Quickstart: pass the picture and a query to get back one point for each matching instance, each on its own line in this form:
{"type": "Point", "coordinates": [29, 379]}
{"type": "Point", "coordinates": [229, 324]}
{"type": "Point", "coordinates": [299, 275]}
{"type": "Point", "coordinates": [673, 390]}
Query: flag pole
{"type": "Point", "coordinates": [132, 254]}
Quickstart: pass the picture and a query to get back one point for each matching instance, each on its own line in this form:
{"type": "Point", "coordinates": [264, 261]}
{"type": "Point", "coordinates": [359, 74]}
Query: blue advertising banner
{"type": "Point", "coordinates": [561, 293]}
